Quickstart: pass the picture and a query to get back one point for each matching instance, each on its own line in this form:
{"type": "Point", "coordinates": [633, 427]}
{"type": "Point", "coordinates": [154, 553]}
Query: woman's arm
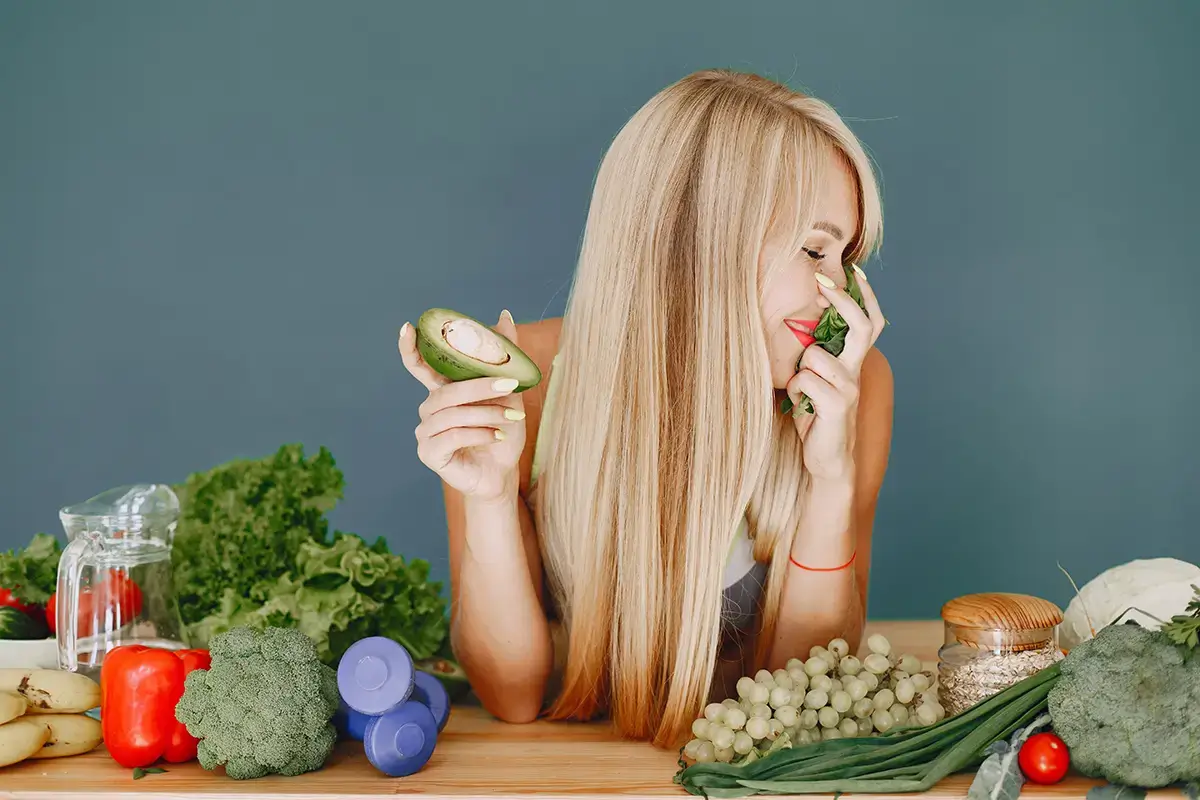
{"type": "Point", "coordinates": [837, 525]}
{"type": "Point", "coordinates": [499, 628]}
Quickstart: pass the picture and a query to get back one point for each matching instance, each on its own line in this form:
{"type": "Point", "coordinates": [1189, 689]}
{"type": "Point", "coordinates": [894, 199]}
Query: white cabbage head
{"type": "Point", "coordinates": [1156, 588]}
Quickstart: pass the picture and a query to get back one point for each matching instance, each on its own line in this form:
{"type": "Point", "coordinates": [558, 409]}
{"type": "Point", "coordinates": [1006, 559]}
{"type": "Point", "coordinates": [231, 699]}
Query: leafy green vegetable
{"type": "Point", "coordinates": [264, 706]}
{"type": "Point", "coordinates": [242, 524]}
{"type": "Point", "coordinates": [340, 593]}
{"type": "Point", "coordinates": [999, 777]}
{"type": "Point", "coordinates": [254, 549]}
{"type": "Point", "coordinates": [830, 335]}
{"type": "Point", "coordinates": [31, 574]}
{"type": "Point", "coordinates": [1184, 629]}
{"type": "Point", "coordinates": [141, 772]}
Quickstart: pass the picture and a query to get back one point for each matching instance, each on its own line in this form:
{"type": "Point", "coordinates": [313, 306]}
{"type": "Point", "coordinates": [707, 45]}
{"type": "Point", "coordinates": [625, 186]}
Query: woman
{"type": "Point", "coordinates": [649, 495]}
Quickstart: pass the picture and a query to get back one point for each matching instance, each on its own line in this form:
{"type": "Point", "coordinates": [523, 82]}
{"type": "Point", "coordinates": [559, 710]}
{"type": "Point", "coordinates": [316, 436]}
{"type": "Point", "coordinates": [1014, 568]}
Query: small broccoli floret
{"type": "Point", "coordinates": [1125, 705]}
{"type": "Point", "coordinates": [263, 707]}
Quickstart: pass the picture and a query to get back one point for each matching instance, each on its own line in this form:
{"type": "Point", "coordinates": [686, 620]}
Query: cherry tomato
{"type": "Point", "coordinates": [1044, 758]}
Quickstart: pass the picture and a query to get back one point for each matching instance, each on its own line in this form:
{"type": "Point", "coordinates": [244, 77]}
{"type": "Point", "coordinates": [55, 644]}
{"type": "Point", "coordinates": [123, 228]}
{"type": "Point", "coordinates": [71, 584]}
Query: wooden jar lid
{"type": "Point", "coordinates": [983, 618]}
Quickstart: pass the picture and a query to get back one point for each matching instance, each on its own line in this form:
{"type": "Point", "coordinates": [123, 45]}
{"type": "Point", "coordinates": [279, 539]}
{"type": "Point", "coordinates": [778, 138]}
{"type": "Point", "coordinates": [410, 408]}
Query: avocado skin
{"type": "Point", "coordinates": [456, 366]}
{"type": "Point", "coordinates": [449, 673]}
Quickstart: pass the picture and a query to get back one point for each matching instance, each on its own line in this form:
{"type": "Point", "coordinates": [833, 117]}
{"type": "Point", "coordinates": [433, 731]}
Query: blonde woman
{"type": "Point", "coordinates": [649, 499]}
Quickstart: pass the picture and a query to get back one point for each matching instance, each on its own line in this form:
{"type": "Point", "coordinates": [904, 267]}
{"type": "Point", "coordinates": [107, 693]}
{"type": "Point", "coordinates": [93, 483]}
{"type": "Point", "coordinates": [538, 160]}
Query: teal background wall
{"type": "Point", "coordinates": [214, 218]}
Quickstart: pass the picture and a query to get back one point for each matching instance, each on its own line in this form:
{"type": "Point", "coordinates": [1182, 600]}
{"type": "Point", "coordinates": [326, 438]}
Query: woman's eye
{"type": "Point", "coordinates": [813, 254]}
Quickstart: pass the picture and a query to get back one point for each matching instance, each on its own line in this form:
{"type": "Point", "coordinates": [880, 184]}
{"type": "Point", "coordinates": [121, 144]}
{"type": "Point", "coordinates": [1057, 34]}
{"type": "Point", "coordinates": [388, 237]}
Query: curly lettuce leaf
{"type": "Point", "coordinates": [340, 593]}
{"type": "Point", "coordinates": [31, 574]}
{"type": "Point", "coordinates": [243, 522]}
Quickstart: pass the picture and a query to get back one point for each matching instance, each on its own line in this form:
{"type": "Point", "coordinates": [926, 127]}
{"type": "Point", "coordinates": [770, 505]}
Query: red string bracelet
{"type": "Point", "coordinates": [823, 569]}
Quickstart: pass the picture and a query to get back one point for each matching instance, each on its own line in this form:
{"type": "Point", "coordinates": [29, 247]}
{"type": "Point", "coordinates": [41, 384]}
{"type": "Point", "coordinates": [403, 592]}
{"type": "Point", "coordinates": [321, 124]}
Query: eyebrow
{"type": "Point", "coordinates": [831, 229]}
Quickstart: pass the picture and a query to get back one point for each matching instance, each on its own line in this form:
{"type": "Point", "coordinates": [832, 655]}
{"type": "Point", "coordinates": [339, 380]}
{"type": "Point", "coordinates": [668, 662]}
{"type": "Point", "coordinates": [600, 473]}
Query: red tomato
{"type": "Point", "coordinates": [115, 601]}
{"type": "Point", "coordinates": [1044, 758]}
{"type": "Point", "coordinates": [7, 599]}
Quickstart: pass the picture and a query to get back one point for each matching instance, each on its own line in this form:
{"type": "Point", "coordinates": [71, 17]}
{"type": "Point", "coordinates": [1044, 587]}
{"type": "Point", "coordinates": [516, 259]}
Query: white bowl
{"type": "Point", "coordinates": [29, 654]}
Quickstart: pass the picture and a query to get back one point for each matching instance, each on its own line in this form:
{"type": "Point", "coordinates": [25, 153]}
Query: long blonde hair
{"type": "Point", "coordinates": [666, 432]}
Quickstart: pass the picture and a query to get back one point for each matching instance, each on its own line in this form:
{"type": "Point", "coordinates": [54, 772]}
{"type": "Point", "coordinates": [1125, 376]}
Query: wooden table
{"type": "Point", "coordinates": [476, 757]}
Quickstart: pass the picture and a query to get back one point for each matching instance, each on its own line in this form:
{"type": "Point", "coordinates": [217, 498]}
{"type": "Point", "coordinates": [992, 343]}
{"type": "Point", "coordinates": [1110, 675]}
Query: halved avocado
{"type": "Point", "coordinates": [449, 673]}
{"type": "Point", "coordinates": [460, 347]}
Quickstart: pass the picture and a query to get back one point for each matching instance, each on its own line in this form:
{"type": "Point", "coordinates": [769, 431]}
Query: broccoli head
{"type": "Point", "coordinates": [264, 706]}
{"type": "Point", "coordinates": [1127, 704]}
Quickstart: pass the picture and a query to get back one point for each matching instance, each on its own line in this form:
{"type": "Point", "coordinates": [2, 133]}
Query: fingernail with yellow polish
{"type": "Point", "coordinates": [862, 276]}
{"type": "Point", "coordinates": [499, 435]}
{"type": "Point", "coordinates": [505, 384]}
{"type": "Point", "coordinates": [404, 329]}
{"type": "Point", "coordinates": [825, 281]}
{"type": "Point", "coordinates": [513, 414]}
{"type": "Point", "coordinates": [506, 315]}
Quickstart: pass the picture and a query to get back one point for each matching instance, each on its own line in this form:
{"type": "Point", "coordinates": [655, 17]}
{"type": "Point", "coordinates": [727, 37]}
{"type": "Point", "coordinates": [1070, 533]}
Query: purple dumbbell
{"type": "Point", "coordinates": [395, 709]}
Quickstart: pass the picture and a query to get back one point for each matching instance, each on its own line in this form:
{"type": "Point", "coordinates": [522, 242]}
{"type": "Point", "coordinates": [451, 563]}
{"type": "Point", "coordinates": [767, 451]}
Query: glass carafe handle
{"type": "Point", "coordinates": [70, 571]}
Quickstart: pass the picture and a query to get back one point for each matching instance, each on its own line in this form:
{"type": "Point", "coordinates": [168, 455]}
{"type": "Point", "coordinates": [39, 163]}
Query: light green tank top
{"type": "Point", "coordinates": [744, 577]}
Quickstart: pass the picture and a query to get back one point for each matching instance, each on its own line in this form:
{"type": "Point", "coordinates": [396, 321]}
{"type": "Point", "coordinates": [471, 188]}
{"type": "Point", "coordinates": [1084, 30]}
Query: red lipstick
{"type": "Point", "coordinates": [802, 329]}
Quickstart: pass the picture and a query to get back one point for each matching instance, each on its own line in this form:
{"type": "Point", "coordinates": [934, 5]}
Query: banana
{"type": "Point", "coordinates": [11, 706]}
{"type": "Point", "coordinates": [51, 691]}
{"type": "Point", "coordinates": [21, 738]}
{"type": "Point", "coordinates": [70, 735]}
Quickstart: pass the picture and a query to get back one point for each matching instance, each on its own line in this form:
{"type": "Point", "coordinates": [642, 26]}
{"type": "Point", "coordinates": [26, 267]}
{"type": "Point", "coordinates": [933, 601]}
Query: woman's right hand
{"type": "Point", "coordinates": [471, 432]}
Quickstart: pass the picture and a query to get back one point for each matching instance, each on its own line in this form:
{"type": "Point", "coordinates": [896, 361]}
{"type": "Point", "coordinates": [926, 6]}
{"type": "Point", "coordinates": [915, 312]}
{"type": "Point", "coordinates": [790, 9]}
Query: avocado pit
{"type": "Point", "coordinates": [475, 341]}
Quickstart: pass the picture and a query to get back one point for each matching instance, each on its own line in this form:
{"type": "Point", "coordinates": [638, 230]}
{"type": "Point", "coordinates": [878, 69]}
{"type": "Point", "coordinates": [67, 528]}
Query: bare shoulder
{"type": "Point", "coordinates": [539, 340]}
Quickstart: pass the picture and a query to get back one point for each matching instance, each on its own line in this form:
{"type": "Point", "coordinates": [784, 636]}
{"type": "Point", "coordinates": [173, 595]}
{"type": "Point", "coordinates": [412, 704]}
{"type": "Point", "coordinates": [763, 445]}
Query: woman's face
{"type": "Point", "coordinates": [791, 303]}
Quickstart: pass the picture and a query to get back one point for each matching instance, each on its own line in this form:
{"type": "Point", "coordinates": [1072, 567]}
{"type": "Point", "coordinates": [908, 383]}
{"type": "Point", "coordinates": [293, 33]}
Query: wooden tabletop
{"type": "Point", "coordinates": [476, 757]}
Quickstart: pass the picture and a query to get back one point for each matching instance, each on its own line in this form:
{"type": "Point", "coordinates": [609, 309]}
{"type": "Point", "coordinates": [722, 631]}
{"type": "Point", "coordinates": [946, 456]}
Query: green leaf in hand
{"type": "Point", "coordinates": [830, 335]}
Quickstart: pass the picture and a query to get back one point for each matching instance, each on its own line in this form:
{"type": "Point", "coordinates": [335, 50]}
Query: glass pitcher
{"type": "Point", "coordinates": [114, 577]}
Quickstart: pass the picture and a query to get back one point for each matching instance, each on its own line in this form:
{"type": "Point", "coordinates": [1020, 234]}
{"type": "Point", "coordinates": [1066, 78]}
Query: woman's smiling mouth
{"type": "Point", "coordinates": [802, 329]}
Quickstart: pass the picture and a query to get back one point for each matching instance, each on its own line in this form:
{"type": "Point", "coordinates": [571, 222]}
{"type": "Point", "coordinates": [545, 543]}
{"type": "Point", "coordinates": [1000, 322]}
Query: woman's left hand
{"type": "Point", "coordinates": [832, 384]}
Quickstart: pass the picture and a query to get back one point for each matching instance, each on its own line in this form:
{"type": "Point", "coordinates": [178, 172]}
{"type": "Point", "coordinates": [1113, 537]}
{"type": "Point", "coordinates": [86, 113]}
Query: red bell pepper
{"type": "Point", "coordinates": [139, 687]}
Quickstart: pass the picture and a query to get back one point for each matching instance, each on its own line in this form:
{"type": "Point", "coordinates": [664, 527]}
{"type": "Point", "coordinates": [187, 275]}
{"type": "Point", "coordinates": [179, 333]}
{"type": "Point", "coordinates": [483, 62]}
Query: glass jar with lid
{"type": "Point", "coordinates": [992, 641]}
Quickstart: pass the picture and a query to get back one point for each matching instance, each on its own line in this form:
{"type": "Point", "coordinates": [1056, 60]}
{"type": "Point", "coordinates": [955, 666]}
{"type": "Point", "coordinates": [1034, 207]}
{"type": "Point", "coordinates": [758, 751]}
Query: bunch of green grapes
{"type": "Point", "coordinates": [831, 695]}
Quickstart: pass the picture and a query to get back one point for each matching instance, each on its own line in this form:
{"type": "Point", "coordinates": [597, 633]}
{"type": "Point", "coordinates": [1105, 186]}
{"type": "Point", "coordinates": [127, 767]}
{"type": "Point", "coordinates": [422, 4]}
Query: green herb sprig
{"type": "Point", "coordinates": [1184, 629]}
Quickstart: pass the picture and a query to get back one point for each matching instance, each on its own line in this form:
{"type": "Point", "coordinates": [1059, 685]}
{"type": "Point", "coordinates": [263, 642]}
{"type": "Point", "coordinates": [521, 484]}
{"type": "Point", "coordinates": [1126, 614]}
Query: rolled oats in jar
{"type": "Point", "coordinates": [992, 641]}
